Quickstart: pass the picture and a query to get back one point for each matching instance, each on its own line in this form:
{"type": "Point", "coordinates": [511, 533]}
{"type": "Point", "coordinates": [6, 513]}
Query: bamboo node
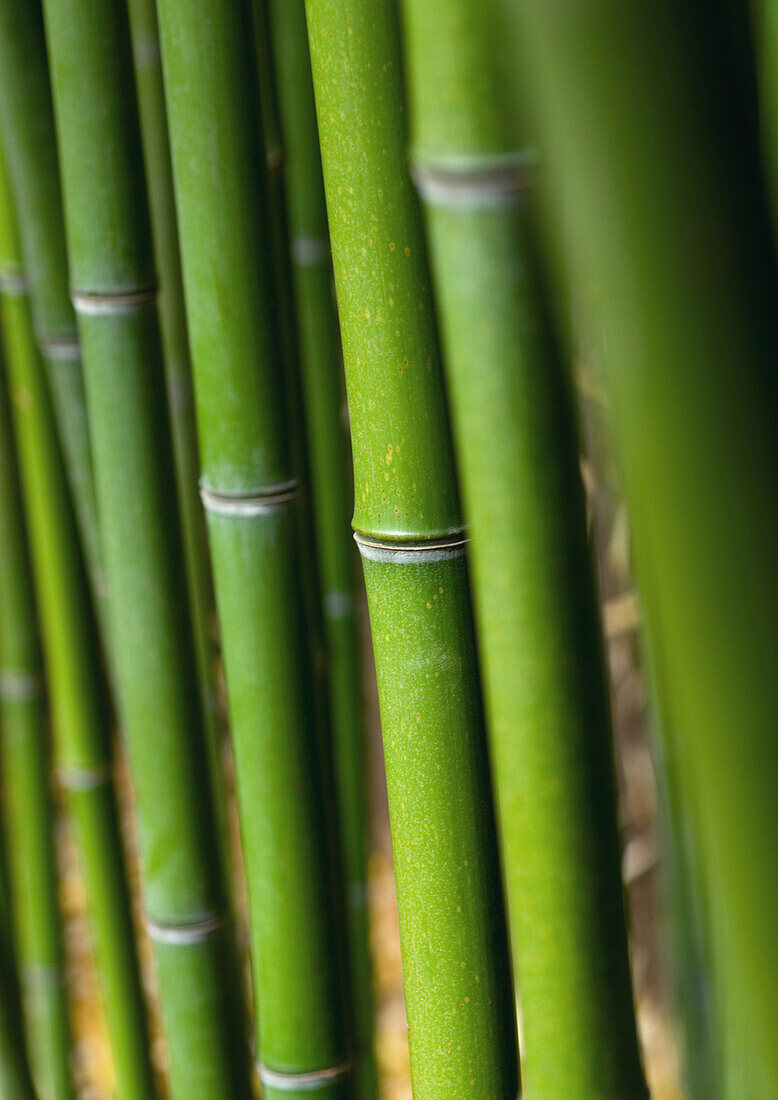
{"type": "Point", "coordinates": [41, 976]}
{"type": "Point", "coordinates": [308, 251]}
{"type": "Point", "coordinates": [14, 283]}
{"type": "Point", "coordinates": [17, 685]}
{"type": "Point", "coordinates": [84, 778]}
{"type": "Point", "coordinates": [59, 347]}
{"type": "Point", "coordinates": [484, 184]}
{"type": "Point", "coordinates": [413, 553]}
{"type": "Point", "coordinates": [303, 1082]}
{"type": "Point", "coordinates": [181, 935]}
{"type": "Point", "coordinates": [256, 504]}
{"type": "Point", "coordinates": [89, 304]}
{"type": "Point", "coordinates": [338, 605]}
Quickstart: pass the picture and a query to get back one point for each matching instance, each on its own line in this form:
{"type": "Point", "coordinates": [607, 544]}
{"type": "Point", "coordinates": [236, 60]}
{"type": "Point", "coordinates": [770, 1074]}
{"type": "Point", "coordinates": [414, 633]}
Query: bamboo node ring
{"type": "Point", "coordinates": [257, 504]}
{"type": "Point", "coordinates": [59, 347]}
{"type": "Point", "coordinates": [85, 778]}
{"type": "Point", "coordinates": [412, 553]}
{"type": "Point", "coordinates": [92, 305]}
{"type": "Point", "coordinates": [181, 935]}
{"type": "Point", "coordinates": [501, 182]}
{"type": "Point", "coordinates": [307, 251]}
{"type": "Point", "coordinates": [303, 1082]}
{"type": "Point", "coordinates": [17, 685]}
{"type": "Point", "coordinates": [14, 283]}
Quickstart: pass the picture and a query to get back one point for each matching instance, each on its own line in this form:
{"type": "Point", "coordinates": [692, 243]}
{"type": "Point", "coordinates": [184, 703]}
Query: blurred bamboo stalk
{"type": "Point", "coordinates": [114, 292]}
{"type": "Point", "coordinates": [646, 113]}
{"type": "Point", "coordinates": [25, 767]}
{"type": "Point", "coordinates": [79, 713]}
{"type": "Point", "coordinates": [539, 633]}
{"type": "Point", "coordinates": [250, 491]}
{"type": "Point", "coordinates": [330, 477]}
{"type": "Point", "coordinates": [455, 957]}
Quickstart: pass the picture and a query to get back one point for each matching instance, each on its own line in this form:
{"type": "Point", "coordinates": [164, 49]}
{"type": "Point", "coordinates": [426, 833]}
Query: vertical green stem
{"type": "Point", "coordinates": [27, 126]}
{"type": "Point", "coordinates": [15, 1080]}
{"type": "Point", "coordinates": [545, 683]}
{"type": "Point", "coordinates": [175, 345]}
{"type": "Point", "coordinates": [457, 973]}
{"type": "Point", "coordinates": [27, 803]}
{"type": "Point", "coordinates": [79, 714]}
{"type": "Point", "coordinates": [647, 116]}
{"type": "Point", "coordinates": [330, 476]}
{"type": "Point", "coordinates": [114, 291]}
{"type": "Point", "coordinates": [250, 494]}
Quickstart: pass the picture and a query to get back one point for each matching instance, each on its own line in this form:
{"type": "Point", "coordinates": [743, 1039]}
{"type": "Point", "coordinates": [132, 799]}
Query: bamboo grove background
{"type": "Point", "coordinates": [411, 357]}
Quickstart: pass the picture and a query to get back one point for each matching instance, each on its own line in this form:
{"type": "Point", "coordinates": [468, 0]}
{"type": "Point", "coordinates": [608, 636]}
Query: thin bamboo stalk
{"type": "Point", "coordinates": [539, 634]}
{"type": "Point", "coordinates": [30, 148]}
{"type": "Point", "coordinates": [27, 802]}
{"type": "Point", "coordinates": [330, 475]}
{"type": "Point", "coordinates": [79, 715]}
{"type": "Point", "coordinates": [408, 527]}
{"type": "Point", "coordinates": [250, 496]}
{"type": "Point", "coordinates": [15, 1080]}
{"type": "Point", "coordinates": [113, 280]}
{"type": "Point", "coordinates": [175, 346]}
{"type": "Point", "coordinates": [648, 117]}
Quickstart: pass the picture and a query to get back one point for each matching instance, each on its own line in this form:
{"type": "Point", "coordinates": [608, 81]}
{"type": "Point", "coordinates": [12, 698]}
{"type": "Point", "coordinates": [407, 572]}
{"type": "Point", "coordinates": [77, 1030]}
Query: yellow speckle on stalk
{"type": "Point", "coordinates": [392, 246]}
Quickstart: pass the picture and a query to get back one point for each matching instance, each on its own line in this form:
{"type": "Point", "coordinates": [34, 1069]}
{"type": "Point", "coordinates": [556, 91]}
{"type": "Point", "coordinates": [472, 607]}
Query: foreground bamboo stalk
{"type": "Point", "coordinates": [27, 802]}
{"type": "Point", "coordinates": [27, 126]}
{"type": "Point", "coordinates": [545, 683]}
{"type": "Point", "coordinates": [319, 342]}
{"type": "Point", "coordinates": [250, 497]}
{"type": "Point", "coordinates": [455, 957]}
{"type": "Point", "coordinates": [113, 283]}
{"type": "Point", "coordinates": [71, 653]}
{"type": "Point", "coordinates": [647, 115]}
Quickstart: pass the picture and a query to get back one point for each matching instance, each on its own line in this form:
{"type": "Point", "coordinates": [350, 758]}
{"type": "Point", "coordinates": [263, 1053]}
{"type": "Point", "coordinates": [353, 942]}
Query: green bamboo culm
{"type": "Point", "coordinates": [27, 801]}
{"type": "Point", "coordinates": [458, 986]}
{"type": "Point", "coordinates": [249, 493]}
{"type": "Point", "coordinates": [80, 721]}
{"type": "Point", "coordinates": [647, 117]}
{"type": "Point", "coordinates": [27, 126]}
{"type": "Point", "coordinates": [114, 291]}
{"type": "Point", "coordinates": [15, 1078]}
{"type": "Point", "coordinates": [330, 476]}
{"type": "Point", "coordinates": [175, 344]}
{"type": "Point", "coordinates": [545, 685]}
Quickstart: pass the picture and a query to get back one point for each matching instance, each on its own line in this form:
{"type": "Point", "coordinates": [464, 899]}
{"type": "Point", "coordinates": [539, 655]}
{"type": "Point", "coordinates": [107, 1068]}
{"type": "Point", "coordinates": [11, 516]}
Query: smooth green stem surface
{"type": "Point", "coordinates": [545, 684]}
{"type": "Point", "coordinates": [458, 987]}
{"type": "Point", "coordinates": [113, 281]}
{"type": "Point", "coordinates": [15, 1079]}
{"type": "Point", "coordinates": [330, 478]}
{"type": "Point", "coordinates": [27, 803]}
{"type": "Point", "coordinates": [647, 118]}
{"type": "Point", "coordinates": [254, 529]}
{"type": "Point", "coordinates": [27, 127]}
{"type": "Point", "coordinates": [175, 346]}
{"type": "Point", "coordinates": [79, 715]}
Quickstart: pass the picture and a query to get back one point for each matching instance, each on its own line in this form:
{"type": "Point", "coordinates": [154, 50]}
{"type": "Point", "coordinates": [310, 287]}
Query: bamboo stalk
{"type": "Point", "coordinates": [15, 1080]}
{"type": "Point", "coordinates": [250, 496]}
{"type": "Point", "coordinates": [79, 715]}
{"type": "Point", "coordinates": [175, 345]}
{"type": "Point", "coordinates": [539, 633]}
{"type": "Point", "coordinates": [648, 118]}
{"type": "Point", "coordinates": [28, 138]}
{"type": "Point", "coordinates": [113, 280]}
{"type": "Point", "coordinates": [408, 527]}
{"type": "Point", "coordinates": [27, 803]}
{"type": "Point", "coordinates": [330, 475]}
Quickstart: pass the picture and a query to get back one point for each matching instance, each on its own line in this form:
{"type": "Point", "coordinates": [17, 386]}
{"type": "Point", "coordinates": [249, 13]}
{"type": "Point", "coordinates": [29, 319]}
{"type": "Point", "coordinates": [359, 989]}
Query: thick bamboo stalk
{"type": "Point", "coordinates": [175, 346]}
{"type": "Point", "coordinates": [330, 477]}
{"type": "Point", "coordinates": [113, 281]}
{"type": "Point", "coordinates": [27, 802]}
{"type": "Point", "coordinates": [27, 126]}
{"type": "Point", "coordinates": [457, 973]}
{"type": "Point", "coordinates": [79, 715]}
{"type": "Point", "coordinates": [540, 645]}
{"type": "Point", "coordinates": [250, 496]}
{"type": "Point", "coordinates": [648, 118]}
